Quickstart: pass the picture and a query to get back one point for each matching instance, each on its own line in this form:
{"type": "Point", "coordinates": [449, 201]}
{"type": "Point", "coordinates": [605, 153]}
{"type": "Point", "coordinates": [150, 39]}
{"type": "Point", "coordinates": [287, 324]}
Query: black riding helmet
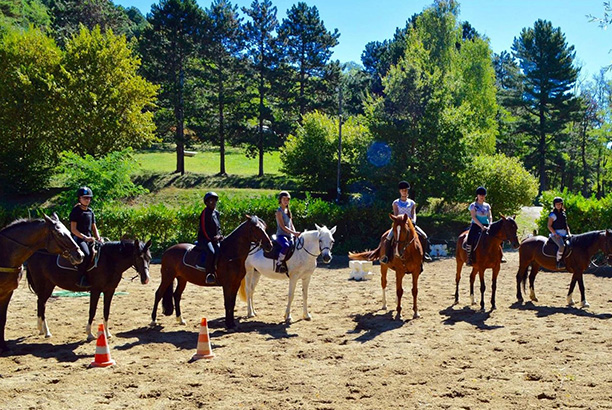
{"type": "Point", "coordinates": [481, 191]}
{"type": "Point", "coordinates": [84, 191]}
{"type": "Point", "coordinates": [403, 185]}
{"type": "Point", "coordinates": [210, 195]}
{"type": "Point", "coordinates": [557, 200]}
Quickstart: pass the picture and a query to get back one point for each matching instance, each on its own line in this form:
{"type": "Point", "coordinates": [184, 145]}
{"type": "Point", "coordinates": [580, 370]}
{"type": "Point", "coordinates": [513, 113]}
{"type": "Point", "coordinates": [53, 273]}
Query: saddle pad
{"type": "Point", "coordinates": [273, 254]}
{"type": "Point", "coordinates": [64, 263]}
{"type": "Point", "coordinates": [192, 257]}
{"type": "Point", "coordinates": [550, 248]}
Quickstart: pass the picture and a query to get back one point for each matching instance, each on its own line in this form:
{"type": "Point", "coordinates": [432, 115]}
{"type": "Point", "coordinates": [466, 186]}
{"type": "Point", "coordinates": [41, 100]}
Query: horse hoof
{"type": "Point", "coordinates": [153, 324]}
{"type": "Point", "coordinates": [251, 315]}
{"type": "Point", "coordinates": [180, 321]}
{"type": "Point", "coordinates": [585, 304]}
{"type": "Point", "coordinates": [48, 335]}
{"type": "Point", "coordinates": [416, 316]}
{"type": "Point", "coordinates": [90, 337]}
{"type": "Point", "coordinates": [384, 307]}
{"type": "Point", "coordinates": [308, 317]}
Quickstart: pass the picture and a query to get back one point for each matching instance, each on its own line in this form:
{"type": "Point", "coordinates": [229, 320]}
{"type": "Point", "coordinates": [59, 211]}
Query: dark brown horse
{"type": "Point", "coordinates": [18, 241]}
{"type": "Point", "coordinates": [582, 248]}
{"type": "Point", "coordinates": [230, 269]}
{"type": "Point", "coordinates": [487, 255]}
{"type": "Point", "coordinates": [44, 275]}
{"type": "Point", "coordinates": [407, 259]}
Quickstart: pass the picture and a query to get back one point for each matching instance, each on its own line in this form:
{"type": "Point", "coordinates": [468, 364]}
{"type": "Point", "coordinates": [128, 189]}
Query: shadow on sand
{"type": "Point", "coordinates": [544, 311]}
{"type": "Point", "coordinates": [476, 318]}
{"type": "Point", "coordinates": [374, 324]}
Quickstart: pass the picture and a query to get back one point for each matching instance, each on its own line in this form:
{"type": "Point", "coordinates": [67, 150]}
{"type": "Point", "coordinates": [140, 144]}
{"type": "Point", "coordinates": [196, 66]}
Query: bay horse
{"type": "Point", "coordinates": [407, 259]}
{"type": "Point", "coordinates": [18, 241]}
{"type": "Point", "coordinates": [230, 269]}
{"type": "Point", "coordinates": [488, 255]}
{"type": "Point", "coordinates": [44, 274]}
{"type": "Point", "coordinates": [301, 265]}
{"type": "Point", "coordinates": [582, 248]}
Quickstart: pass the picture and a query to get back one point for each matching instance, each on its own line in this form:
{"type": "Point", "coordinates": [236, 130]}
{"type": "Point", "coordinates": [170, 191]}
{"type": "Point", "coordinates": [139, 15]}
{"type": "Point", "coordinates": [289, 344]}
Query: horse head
{"type": "Point", "coordinates": [257, 232]}
{"type": "Point", "coordinates": [60, 241]}
{"type": "Point", "coordinates": [142, 259]}
{"type": "Point", "coordinates": [401, 231]}
{"type": "Point", "coordinates": [607, 248]}
{"type": "Point", "coordinates": [510, 230]}
{"type": "Point", "coordinates": [326, 242]}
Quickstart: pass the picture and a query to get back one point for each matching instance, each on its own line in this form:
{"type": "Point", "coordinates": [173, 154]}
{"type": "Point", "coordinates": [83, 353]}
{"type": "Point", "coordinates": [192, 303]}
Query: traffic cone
{"type": "Point", "coordinates": [103, 357]}
{"type": "Point", "coordinates": [204, 351]}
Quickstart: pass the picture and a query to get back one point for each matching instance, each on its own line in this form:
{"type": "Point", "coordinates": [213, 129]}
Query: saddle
{"type": "Point", "coordinates": [275, 252]}
{"type": "Point", "coordinates": [550, 248]}
{"type": "Point", "coordinates": [193, 256]}
{"type": "Point", "coordinates": [477, 241]}
{"type": "Point", "coordinates": [64, 263]}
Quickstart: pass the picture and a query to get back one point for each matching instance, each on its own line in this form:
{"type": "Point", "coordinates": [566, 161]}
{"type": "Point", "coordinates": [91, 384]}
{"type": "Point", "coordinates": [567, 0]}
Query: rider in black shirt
{"type": "Point", "coordinates": [84, 231]}
{"type": "Point", "coordinates": [209, 235]}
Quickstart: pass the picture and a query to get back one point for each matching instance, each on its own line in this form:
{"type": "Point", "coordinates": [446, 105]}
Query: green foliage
{"type": "Point", "coordinates": [509, 185]}
{"type": "Point", "coordinates": [583, 214]}
{"type": "Point", "coordinates": [23, 13]}
{"type": "Point", "coordinates": [105, 101]}
{"type": "Point", "coordinates": [29, 108]}
{"type": "Point", "coordinates": [311, 155]}
{"type": "Point", "coordinates": [108, 176]}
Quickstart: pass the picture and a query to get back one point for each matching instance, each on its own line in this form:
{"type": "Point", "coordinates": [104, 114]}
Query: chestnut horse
{"type": "Point", "coordinates": [407, 259]}
{"type": "Point", "coordinates": [230, 269]}
{"type": "Point", "coordinates": [582, 248]}
{"type": "Point", "coordinates": [488, 254]}
{"type": "Point", "coordinates": [44, 275]}
{"type": "Point", "coordinates": [18, 241]}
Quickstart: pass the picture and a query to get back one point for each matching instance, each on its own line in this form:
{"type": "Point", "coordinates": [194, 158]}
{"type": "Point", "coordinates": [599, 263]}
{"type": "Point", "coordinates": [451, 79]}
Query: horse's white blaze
{"type": "Point", "coordinates": [301, 266]}
{"type": "Point", "coordinates": [397, 236]}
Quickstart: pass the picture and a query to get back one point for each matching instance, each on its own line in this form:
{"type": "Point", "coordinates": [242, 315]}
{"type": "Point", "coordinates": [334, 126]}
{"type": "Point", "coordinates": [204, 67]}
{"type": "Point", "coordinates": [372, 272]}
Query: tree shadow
{"type": "Point", "coordinates": [545, 311]}
{"type": "Point", "coordinates": [374, 325]}
{"type": "Point", "coordinates": [61, 353]}
{"type": "Point", "coordinates": [476, 318]}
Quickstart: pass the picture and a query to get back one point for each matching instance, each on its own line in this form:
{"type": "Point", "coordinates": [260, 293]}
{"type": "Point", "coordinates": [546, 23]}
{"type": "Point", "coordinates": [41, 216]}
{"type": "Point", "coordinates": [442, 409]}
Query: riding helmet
{"type": "Point", "coordinates": [403, 185]}
{"type": "Point", "coordinates": [84, 191]}
{"type": "Point", "coordinates": [210, 195]}
{"type": "Point", "coordinates": [557, 200]}
{"type": "Point", "coordinates": [481, 191]}
{"type": "Point", "coordinates": [283, 194]}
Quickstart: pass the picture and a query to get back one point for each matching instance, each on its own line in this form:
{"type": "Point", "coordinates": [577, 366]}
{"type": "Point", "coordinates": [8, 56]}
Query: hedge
{"type": "Point", "coordinates": [583, 214]}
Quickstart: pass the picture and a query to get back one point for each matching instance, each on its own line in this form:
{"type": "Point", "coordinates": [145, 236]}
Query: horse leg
{"type": "Point", "coordinates": [383, 284]}
{"type": "Point", "coordinates": [4, 302]}
{"type": "Point", "coordinates": [180, 287]}
{"type": "Point", "coordinates": [292, 283]}
{"type": "Point", "coordinates": [229, 295]}
{"type": "Point", "coordinates": [43, 296]}
{"type": "Point", "coordinates": [415, 292]}
{"type": "Point", "coordinates": [521, 274]}
{"type": "Point", "coordinates": [472, 279]}
{"type": "Point", "coordinates": [458, 278]}
{"type": "Point", "coordinates": [482, 287]}
{"type": "Point", "coordinates": [252, 278]}
{"type": "Point", "coordinates": [570, 299]}
{"type": "Point", "coordinates": [94, 296]}
{"type": "Point", "coordinates": [583, 301]}
{"type": "Point", "coordinates": [494, 287]}
{"type": "Point", "coordinates": [532, 275]}
{"type": "Point", "coordinates": [167, 280]}
{"type": "Point", "coordinates": [305, 283]}
{"type": "Point", "coordinates": [399, 276]}
{"type": "Point", "coordinates": [108, 298]}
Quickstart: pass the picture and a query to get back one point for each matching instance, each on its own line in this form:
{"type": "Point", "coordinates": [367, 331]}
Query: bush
{"type": "Point", "coordinates": [509, 185]}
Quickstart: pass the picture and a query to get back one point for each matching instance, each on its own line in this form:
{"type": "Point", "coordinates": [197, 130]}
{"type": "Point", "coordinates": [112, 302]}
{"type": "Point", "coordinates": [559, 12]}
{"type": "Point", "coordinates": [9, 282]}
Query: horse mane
{"type": "Point", "coordinates": [21, 221]}
{"type": "Point", "coordinates": [123, 249]}
{"type": "Point", "coordinates": [495, 227]}
{"type": "Point", "coordinates": [584, 240]}
{"type": "Point", "coordinates": [254, 220]}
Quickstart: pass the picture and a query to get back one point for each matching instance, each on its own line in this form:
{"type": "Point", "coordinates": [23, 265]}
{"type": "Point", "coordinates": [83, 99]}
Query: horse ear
{"type": "Point", "coordinates": [392, 217]}
{"type": "Point", "coordinates": [333, 230]}
{"type": "Point", "coordinates": [148, 244]}
{"type": "Point", "coordinates": [136, 244]}
{"type": "Point", "coordinates": [49, 220]}
{"type": "Point", "coordinates": [247, 217]}
{"type": "Point", "coordinates": [318, 227]}
{"type": "Point", "coordinates": [502, 216]}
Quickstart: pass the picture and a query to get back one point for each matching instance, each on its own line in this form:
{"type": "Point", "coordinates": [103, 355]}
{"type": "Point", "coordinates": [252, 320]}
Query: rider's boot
{"type": "Point", "coordinates": [281, 266]}
{"type": "Point", "coordinates": [560, 262]}
{"type": "Point", "coordinates": [83, 282]}
{"type": "Point", "coordinates": [468, 249]}
{"type": "Point", "coordinates": [211, 268]}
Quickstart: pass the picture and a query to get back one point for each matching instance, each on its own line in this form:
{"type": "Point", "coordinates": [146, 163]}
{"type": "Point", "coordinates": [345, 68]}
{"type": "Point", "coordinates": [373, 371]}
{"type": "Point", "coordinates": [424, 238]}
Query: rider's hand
{"type": "Point", "coordinates": [297, 234]}
{"type": "Point", "coordinates": [89, 239]}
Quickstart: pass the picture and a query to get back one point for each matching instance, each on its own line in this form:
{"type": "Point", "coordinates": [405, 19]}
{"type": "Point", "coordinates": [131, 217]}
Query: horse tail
{"type": "Point", "coordinates": [242, 290]}
{"type": "Point", "coordinates": [366, 256]}
{"type": "Point", "coordinates": [31, 284]}
{"type": "Point", "coordinates": [167, 300]}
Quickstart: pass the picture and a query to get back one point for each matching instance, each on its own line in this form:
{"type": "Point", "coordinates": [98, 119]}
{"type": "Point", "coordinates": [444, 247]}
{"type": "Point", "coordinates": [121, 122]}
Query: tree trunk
{"type": "Point", "coordinates": [542, 154]}
{"type": "Point", "coordinates": [180, 138]}
{"type": "Point", "coordinates": [221, 126]}
{"type": "Point", "coordinates": [261, 117]}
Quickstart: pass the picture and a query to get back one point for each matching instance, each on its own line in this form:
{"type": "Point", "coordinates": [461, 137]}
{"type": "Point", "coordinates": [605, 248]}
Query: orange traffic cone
{"type": "Point", "coordinates": [103, 357]}
{"type": "Point", "coordinates": [204, 350]}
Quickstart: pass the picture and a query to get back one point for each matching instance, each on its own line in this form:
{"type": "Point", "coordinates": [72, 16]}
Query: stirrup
{"type": "Point", "coordinates": [384, 259]}
{"type": "Point", "coordinates": [83, 283]}
{"type": "Point", "coordinates": [280, 267]}
{"type": "Point", "coordinates": [560, 264]}
{"type": "Point", "coordinates": [211, 278]}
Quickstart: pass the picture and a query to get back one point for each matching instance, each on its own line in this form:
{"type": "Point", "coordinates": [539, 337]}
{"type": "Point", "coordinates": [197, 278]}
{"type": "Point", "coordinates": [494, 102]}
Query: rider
{"type": "Point", "coordinates": [404, 205]}
{"type": "Point", "coordinates": [84, 231]}
{"type": "Point", "coordinates": [285, 229]}
{"type": "Point", "coordinates": [481, 219]}
{"type": "Point", "coordinates": [559, 230]}
{"type": "Point", "coordinates": [209, 236]}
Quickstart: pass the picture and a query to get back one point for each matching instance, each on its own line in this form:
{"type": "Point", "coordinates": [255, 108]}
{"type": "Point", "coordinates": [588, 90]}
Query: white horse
{"type": "Point", "coordinates": [301, 265]}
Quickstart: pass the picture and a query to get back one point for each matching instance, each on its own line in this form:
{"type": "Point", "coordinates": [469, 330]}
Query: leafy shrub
{"type": "Point", "coordinates": [583, 214]}
{"type": "Point", "coordinates": [509, 185]}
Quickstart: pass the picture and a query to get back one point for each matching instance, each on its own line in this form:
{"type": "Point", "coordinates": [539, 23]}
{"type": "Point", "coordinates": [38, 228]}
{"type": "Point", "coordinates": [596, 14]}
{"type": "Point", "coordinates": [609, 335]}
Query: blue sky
{"type": "Point", "coordinates": [362, 21]}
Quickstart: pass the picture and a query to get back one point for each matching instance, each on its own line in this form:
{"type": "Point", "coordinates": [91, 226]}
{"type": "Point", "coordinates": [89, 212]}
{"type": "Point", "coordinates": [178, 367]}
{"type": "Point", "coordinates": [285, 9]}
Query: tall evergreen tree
{"type": "Point", "coordinates": [547, 103]}
{"type": "Point", "coordinates": [167, 45]}
{"type": "Point", "coordinates": [308, 47]}
{"type": "Point", "coordinates": [261, 46]}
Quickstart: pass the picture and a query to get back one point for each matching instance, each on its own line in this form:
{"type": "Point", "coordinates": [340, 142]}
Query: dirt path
{"type": "Point", "coordinates": [351, 355]}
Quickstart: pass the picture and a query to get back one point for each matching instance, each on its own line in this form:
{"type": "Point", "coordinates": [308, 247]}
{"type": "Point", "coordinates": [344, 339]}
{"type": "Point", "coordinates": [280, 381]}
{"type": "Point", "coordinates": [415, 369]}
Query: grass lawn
{"type": "Point", "coordinates": [207, 161]}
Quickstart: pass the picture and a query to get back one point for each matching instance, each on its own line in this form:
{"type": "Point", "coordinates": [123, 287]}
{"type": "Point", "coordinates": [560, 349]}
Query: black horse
{"type": "Point", "coordinates": [44, 273]}
{"type": "Point", "coordinates": [18, 241]}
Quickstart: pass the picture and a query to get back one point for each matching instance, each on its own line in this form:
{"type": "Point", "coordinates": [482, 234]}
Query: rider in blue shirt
{"type": "Point", "coordinates": [481, 219]}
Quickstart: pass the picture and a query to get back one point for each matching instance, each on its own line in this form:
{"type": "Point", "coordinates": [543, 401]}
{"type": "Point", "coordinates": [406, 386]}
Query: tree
{"type": "Point", "coordinates": [308, 47]}
{"type": "Point", "coordinates": [23, 13]}
{"type": "Point", "coordinates": [547, 103]}
{"type": "Point", "coordinates": [106, 104]}
{"type": "Point", "coordinates": [29, 107]}
{"type": "Point", "coordinates": [261, 46]}
{"type": "Point", "coordinates": [167, 45]}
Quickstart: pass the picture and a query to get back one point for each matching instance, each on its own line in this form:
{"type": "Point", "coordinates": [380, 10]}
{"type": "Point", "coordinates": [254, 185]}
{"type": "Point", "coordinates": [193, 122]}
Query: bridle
{"type": "Point", "coordinates": [406, 243]}
{"type": "Point", "coordinates": [300, 245]}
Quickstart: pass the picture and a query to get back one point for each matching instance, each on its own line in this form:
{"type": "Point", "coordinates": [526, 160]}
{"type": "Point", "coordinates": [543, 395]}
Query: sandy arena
{"type": "Point", "coordinates": [352, 355]}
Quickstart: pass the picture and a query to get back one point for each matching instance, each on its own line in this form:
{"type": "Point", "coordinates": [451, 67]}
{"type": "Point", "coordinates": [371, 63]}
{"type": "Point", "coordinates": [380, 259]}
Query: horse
{"type": "Point", "coordinates": [301, 265]}
{"type": "Point", "coordinates": [488, 254]}
{"type": "Point", "coordinates": [44, 273]}
{"type": "Point", "coordinates": [18, 241]}
{"type": "Point", "coordinates": [407, 259]}
{"type": "Point", "coordinates": [582, 248]}
{"type": "Point", "coordinates": [230, 269]}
